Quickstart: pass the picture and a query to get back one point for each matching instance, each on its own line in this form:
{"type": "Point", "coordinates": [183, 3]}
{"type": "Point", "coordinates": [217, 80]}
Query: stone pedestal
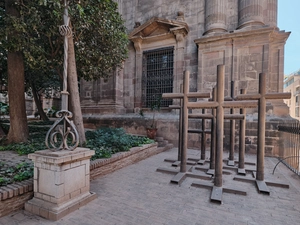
{"type": "Point", "coordinates": [61, 182]}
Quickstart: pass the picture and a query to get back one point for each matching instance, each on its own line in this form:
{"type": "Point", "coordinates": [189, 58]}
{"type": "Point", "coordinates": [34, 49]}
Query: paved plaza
{"type": "Point", "coordinates": [138, 195]}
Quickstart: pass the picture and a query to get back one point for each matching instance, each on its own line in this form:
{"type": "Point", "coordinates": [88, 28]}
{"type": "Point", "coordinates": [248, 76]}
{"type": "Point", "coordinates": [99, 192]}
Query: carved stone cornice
{"type": "Point", "coordinates": [157, 29]}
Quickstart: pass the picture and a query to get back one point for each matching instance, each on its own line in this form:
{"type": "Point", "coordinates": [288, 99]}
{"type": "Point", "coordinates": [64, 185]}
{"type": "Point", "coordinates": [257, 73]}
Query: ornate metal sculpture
{"type": "Point", "coordinates": [63, 130]}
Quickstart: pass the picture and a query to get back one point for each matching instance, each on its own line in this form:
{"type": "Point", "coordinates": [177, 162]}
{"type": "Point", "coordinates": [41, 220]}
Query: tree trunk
{"type": "Point", "coordinates": [18, 131]}
{"type": "Point", "coordinates": [38, 104]}
{"type": "Point", "coordinates": [74, 100]}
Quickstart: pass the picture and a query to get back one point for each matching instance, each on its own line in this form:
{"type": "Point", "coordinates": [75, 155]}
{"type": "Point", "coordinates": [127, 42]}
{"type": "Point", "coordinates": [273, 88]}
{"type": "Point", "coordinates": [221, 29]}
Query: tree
{"type": "Point", "coordinates": [99, 37]}
{"type": "Point", "coordinates": [18, 131]}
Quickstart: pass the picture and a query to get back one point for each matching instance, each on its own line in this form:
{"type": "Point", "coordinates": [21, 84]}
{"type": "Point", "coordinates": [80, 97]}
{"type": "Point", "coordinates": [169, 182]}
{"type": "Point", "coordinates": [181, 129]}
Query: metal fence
{"type": "Point", "coordinates": [290, 152]}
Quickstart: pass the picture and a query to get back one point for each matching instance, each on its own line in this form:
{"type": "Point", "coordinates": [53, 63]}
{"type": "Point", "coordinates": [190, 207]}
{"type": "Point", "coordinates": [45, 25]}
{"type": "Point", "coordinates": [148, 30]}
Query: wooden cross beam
{"type": "Point", "coordinates": [232, 131]}
{"type": "Point", "coordinates": [184, 114]}
{"type": "Point", "coordinates": [262, 96]}
{"type": "Point", "coordinates": [220, 104]}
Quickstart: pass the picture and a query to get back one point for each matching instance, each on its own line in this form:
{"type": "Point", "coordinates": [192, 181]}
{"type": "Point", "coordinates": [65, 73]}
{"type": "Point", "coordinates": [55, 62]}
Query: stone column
{"type": "Point", "coordinates": [250, 13]}
{"type": "Point", "coordinates": [271, 15]}
{"type": "Point", "coordinates": [215, 16]}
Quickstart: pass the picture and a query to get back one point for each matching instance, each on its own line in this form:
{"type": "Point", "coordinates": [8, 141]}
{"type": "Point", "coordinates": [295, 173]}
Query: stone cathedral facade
{"type": "Point", "coordinates": [168, 37]}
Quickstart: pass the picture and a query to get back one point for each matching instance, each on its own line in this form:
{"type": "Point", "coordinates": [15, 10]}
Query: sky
{"type": "Point", "coordinates": [289, 20]}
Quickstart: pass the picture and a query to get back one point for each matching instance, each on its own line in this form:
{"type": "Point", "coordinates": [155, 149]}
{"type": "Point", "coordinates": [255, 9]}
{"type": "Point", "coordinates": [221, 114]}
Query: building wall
{"type": "Point", "coordinates": [242, 34]}
{"type": "Point", "coordinates": [292, 84]}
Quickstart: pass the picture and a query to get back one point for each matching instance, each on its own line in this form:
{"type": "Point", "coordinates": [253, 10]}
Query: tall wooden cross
{"type": "Point", "coordinates": [244, 101]}
{"type": "Point", "coordinates": [262, 96]}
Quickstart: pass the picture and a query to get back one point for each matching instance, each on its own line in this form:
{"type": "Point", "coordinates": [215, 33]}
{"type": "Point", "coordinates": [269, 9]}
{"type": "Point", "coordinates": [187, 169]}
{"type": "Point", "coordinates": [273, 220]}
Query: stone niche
{"type": "Point", "coordinates": [61, 182]}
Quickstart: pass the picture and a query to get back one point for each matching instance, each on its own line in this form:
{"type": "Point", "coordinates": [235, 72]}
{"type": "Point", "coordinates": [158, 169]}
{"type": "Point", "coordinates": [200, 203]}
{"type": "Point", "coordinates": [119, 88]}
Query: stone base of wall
{"type": "Point", "coordinates": [168, 128]}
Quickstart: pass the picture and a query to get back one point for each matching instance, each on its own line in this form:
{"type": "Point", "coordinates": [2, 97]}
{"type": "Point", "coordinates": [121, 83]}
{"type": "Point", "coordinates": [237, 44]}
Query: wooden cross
{"type": "Point", "coordinates": [262, 96]}
{"type": "Point", "coordinates": [220, 104]}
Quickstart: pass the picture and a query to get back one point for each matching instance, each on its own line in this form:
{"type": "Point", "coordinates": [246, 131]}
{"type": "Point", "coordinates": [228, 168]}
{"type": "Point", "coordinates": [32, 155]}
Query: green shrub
{"type": "Point", "coordinates": [107, 141]}
{"type": "Point", "coordinates": [11, 174]}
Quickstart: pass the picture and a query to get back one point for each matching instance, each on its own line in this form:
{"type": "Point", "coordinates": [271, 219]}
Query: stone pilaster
{"type": "Point", "coordinates": [215, 16]}
{"type": "Point", "coordinates": [250, 13]}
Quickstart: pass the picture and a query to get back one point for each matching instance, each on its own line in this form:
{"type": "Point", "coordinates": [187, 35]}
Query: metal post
{"type": "Point", "coordinates": [68, 131]}
{"type": "Point", "coordinates": [220, 125]}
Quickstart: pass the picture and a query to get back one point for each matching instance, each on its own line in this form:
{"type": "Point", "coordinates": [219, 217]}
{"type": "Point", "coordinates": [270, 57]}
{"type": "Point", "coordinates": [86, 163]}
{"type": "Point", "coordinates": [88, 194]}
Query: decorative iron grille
{"type": "Point", "coordinates": [158, 67]}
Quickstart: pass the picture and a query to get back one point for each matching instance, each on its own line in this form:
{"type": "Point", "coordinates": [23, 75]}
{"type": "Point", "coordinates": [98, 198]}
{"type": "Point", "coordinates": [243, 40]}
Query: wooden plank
{"type": "Point", "coordinates": [202, 104]}
{"type": "Point", "coordinates": [204, 169]}
{"type": "Point", "coordinates": [211, 172]}
{"type": "Point", "coordinates": [167, 170]}
{"type": "Point", "coordinates": [170, 160]}
{"type": "Point", "coordinates": [250, 163]}
{"type": "Point", "coordinates": [262, 187]}
{"type": "Point", "coordinates": [275, 184]}
{"type": "Point", "coordinates": [199, 176]}
{"type": "Point", "coordinates": [241, 171]}
{"type": "Point", "coordinates": [201, 162]}
{"type": "Point", "coordinates": [284, 95]}
{"type": "Point", "coordinates": [216, 194]}
{"type": "Point", "coordinates": [234, 117]}
{"type": "Point", "coordinates": [198, 95]}
{"type": "Point", "coordinates": [230, 163]}
{"type": "Point", "coordinates": [176, 163]}
{"type": "Point", "coordinates": [198, 131]}
{"type": "Point", "coordinates": [196, 159]}
{"type": "Point", "coordinates": [172, 95]}
{"type": "Point", "coordinates": [229, 168]}
{"type": "Point", "coordinates": [234, 191]}
{"type": "Point", "coordinates": [244, 179]}
{"type": "Point", "coordinates": [178, 178]}
{"type": "Point", "coordinates": [201, 116]}
{"type": "Point", "coordinates": [190, 162]}
{"type": "Point", "coordinates": [201, 184]}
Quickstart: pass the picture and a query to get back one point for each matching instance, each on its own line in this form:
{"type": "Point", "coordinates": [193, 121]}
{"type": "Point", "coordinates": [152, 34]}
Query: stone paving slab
{"type": "Point", "coordinates": [138, 195]}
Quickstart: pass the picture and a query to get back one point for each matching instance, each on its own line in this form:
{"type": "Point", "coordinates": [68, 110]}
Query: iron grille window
{"type": "Point", "coordinates": [158, 66]}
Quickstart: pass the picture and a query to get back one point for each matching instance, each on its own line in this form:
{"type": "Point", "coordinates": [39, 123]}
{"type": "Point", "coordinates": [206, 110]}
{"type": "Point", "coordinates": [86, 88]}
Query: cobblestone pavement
{"type": "Point", "coordinates": [138, 195]}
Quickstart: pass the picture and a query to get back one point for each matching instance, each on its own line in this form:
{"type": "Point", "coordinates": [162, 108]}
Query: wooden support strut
{"type": "Point", "coordinates": [232, 131]}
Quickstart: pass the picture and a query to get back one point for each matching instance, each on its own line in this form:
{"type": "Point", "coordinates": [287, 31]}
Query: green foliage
{"type": "Point", "coordinates": [98, 30]}
{"type": "Point", "coordinates": [107, 141]}
{"type": "Point", "coordinates": [10, 174]}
